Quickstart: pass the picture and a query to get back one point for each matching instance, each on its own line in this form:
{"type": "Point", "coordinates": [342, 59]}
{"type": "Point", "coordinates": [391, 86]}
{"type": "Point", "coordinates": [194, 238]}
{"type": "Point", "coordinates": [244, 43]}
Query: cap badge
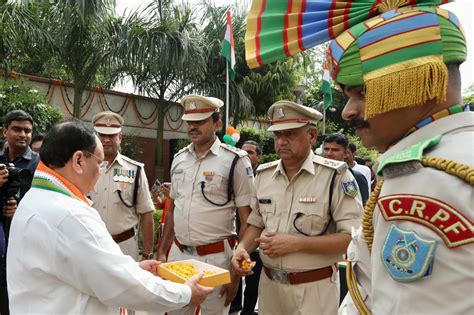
{"type": "Point", "coordinates": [279, 113]}
{"type": "Point", "coordinates": [192, 105]}
{"type": "Point", "coordinates": [108, 122]}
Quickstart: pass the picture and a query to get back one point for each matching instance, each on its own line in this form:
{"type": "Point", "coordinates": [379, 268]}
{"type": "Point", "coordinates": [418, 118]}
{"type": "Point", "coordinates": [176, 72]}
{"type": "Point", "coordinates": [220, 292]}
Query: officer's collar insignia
{"type": "Point", "coordinates": [279, 113]}
{"type": "Point", "coordinates": [108, 122]}
{"type": "Point", "coordinates": [350, 188]}
{"type": "Point", "coordinates": [406, 256]}
{"type": "Point", "coordinates": [450, 224]}
{"type": "Point", "coordinates": [192, 105]}
{"type": "Point", "coordinates": [307, 200]}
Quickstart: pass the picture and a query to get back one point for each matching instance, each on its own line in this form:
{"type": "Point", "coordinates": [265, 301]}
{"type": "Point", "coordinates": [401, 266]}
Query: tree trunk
{"type": "Point", "coordinates": [162, 106]}
{"type": "Point", "coordinates": [77, 100]}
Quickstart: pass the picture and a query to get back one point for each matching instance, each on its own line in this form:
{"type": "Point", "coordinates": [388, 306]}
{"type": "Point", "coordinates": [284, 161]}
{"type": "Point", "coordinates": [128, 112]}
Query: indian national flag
{"type": "Point", "coordinates": [326, 87]}
{"type": "Point", "coordinates": [228, 50]}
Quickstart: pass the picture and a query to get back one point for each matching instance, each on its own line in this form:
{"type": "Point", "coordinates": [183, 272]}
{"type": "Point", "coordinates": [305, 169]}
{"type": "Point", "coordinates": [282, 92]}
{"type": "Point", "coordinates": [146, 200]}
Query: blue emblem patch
{"type": "Point", "coordinates": [350, 188]}
{"type": "Point", "coordinates": [407, 256]}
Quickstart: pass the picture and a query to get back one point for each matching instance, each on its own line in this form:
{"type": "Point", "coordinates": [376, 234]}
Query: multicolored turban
{"type": "Point", "coordinates": [397, 49]}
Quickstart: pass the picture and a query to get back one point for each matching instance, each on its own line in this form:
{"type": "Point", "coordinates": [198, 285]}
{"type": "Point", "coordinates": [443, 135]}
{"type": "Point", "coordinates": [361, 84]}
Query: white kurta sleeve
{"type": "Point", "coordinates": [88, 259]}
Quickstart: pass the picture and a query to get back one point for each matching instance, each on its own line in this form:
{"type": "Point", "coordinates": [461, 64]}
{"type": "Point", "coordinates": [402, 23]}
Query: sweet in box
{"type": "Point", "coordinates": [213, 277]}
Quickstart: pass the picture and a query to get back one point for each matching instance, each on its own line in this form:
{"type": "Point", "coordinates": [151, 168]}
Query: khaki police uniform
{"type": "Point", "coordinates": [198, 222]}
{"type": "Point", "coordinates": [422, 253]}
{"type": "Point", "coordinates": [300, 207]}
{"type": "Point", "coordinates": [121, 221]}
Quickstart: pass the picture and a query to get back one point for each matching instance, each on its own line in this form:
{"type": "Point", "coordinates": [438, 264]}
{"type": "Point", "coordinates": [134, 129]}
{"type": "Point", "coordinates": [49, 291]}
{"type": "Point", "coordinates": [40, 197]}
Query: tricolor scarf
{"type": "Point", "coordinates": [47, 179]}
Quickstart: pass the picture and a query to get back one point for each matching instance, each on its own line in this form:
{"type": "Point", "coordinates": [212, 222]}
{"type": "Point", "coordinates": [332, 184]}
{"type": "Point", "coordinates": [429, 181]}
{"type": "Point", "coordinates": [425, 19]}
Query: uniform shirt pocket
{"type": "Point", "coordinates": [268, 212]}
{"type": "Point", "coordinates": [215, 187]}
{"type": "Point", "coordinates": [126, 192]}
{"type": "Point", "coordinates": [177, 180]}
{"type": "Point", "coordinates": [311, 219]}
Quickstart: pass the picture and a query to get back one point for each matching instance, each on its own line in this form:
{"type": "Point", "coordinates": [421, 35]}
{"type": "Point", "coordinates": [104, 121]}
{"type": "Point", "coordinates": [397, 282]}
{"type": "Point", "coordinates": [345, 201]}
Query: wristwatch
{"type": "Point", "coordinates": [147, 256]}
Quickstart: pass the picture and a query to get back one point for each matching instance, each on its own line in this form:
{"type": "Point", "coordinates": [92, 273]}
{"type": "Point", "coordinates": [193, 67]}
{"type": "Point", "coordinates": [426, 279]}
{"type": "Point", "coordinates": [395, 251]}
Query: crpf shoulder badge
{"type": "Point", "coordinates": [406, 256]}
{"type": "Point", "coordinates": [350, 188]}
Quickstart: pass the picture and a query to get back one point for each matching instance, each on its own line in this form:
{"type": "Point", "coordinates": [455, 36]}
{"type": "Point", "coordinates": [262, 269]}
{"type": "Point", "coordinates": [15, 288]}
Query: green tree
{"type": "Point", "coordinates": [163, 55]}
{"type": "Point", "coordinates": [17, 94]}
{"type": "Point", "coordinates": [214, 81]}
{"type": "Point", "coordinates": [468, 97]}
{"type": "Point", "coordinates": [253, 91]}
{"type": "Point", "coordinates": [82, 40]}
{"type": "Point", "coordinates": [19, 30]}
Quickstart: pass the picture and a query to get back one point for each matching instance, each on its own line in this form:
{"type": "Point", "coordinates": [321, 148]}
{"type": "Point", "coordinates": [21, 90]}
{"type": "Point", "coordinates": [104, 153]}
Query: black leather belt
{"type": "Point", "coordinates": [119, 238]}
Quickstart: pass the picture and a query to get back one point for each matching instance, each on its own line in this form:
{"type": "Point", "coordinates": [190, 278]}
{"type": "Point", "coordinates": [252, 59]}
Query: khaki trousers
{"type": "Point", "coordinates": [312, 298]}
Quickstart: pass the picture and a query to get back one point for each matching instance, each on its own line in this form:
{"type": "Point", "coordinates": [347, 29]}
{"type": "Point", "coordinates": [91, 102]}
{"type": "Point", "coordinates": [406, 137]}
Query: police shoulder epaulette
{"type": "Point", "coordinates": [406, 161]}
{"type": "Point", "coordinates": [126, 158]}
{"type": "Point", "coordinates": [180, 151]}
{"type": "Point", "coordinates": [235, 150]}
{"type": "Point", "coordinates": [267, 166]}
{"type": "Point", "coordinates": [339, 166]}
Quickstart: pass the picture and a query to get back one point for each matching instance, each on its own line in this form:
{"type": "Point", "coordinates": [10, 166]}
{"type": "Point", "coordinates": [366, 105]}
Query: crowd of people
{"type": "Point", "coordinates": [69, 233]}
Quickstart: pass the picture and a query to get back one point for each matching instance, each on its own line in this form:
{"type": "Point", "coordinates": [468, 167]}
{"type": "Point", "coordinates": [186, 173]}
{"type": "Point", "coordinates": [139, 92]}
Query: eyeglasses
{"type": "Point", "coordinates": [102, 164]}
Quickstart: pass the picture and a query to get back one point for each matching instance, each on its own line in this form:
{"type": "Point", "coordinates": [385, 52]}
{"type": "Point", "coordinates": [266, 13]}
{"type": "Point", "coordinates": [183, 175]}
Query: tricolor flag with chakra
{"type": "Point", "coordinates": [228, 50]}
{"type": "Point", "coordinates": [326, 87]}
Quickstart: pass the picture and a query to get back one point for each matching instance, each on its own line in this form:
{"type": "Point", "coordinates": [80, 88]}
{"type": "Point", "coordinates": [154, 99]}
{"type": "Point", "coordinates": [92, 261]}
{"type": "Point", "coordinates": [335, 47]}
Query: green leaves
{"type": "Point", "coordinates": [16, 94]}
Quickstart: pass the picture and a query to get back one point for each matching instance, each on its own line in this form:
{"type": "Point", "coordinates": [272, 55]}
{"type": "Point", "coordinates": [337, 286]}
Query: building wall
{"type": "Point", "coordinates": [140, 117]}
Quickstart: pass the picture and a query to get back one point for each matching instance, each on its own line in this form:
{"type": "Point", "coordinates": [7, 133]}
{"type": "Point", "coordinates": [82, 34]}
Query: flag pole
{"type": "Point", "coordinates": [226, 95]}
{"type": "Point", "coordinates": [324, 120]}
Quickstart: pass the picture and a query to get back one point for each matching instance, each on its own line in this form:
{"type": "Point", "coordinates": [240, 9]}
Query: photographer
{"type": "Point", "coordinates": [17, 165]}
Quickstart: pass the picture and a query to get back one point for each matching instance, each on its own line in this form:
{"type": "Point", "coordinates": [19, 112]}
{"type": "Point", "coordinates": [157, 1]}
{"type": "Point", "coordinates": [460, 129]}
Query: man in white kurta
{"type": "Point", "coordinates": [61, 259]}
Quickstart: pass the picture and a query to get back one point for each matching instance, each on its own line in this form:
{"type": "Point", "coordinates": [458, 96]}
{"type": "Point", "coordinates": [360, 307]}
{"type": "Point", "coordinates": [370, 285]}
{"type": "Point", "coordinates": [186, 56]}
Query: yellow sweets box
{"type": "Point", "coordinates": [182, 270]}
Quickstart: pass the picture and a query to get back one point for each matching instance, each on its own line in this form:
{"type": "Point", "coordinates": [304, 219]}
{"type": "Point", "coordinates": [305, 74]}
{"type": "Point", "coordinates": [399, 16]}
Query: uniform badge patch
{"type": "Point", "coordinates": [449, 223]}
{"type": "Point", "coordinates": [279, 112]}
{"type": "Point", "coordinates": [249, 171]}
{"type": "Point", "coordinates": [406, 256]}
{"type": "Point", "coordinates": [208, 175]}
{"type": "Point", "coordinates": [350, 188]}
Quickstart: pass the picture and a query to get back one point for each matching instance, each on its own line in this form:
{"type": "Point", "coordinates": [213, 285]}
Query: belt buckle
{"type": "Point", "coordinates": [280, 276]}
{"type": "Point", "coordinates": [189, 249]}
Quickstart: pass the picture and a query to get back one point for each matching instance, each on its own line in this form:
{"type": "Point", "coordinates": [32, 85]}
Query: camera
{"type": "Point", "coordinates": [16, 178]}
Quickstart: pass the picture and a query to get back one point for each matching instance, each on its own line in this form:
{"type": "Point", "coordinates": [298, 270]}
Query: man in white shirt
{"type": "Point", "coordinates": [350, 160]}
{"type": "Point", "coordinates": [61, 259]}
